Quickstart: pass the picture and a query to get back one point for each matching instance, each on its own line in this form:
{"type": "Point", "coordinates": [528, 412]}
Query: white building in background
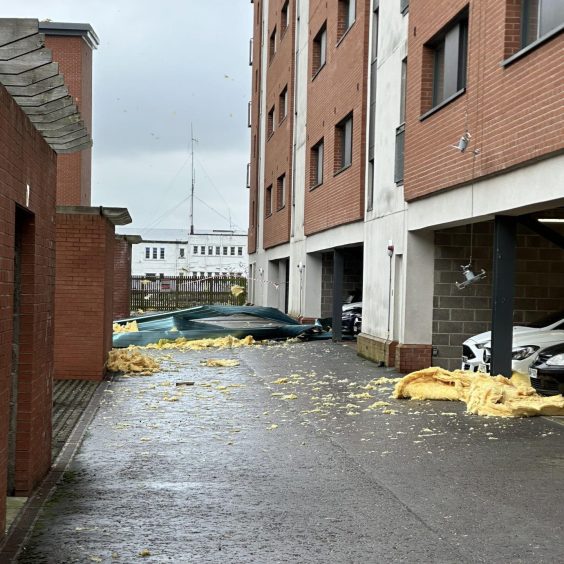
{"type": "Point", "coordinates": [174, 252]}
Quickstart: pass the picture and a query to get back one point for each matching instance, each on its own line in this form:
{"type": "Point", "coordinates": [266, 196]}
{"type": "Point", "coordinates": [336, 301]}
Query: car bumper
{"type": "Point", "coordinates": [546, 380]}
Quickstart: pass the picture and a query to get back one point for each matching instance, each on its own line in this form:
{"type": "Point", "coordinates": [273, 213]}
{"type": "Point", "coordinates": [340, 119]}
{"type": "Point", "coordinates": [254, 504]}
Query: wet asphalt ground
{"type": "Point", "coordinates": [239, 469]}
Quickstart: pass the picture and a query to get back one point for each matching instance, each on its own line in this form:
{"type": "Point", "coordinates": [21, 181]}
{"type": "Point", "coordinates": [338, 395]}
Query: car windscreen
{"type": "Point", "coordinates": [548, 320]}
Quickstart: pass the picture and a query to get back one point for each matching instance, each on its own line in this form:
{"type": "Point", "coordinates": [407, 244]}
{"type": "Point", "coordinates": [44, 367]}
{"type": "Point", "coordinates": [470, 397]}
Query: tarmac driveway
{"type": "Point", "coordinates": [289, 458]}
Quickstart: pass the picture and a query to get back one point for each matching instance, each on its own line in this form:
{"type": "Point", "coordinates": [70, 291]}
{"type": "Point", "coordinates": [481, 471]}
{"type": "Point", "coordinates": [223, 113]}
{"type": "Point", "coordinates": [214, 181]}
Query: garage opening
{"type": "Point", "coordinates": [461, 314]}
{"type": "Point", "coordinates": [342, 273]}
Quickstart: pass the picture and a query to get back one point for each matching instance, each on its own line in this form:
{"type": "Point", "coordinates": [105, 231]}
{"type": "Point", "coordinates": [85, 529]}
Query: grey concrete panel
{"type": "Point", "coordinates": [75, 143]}
{"type": "Point", "coordinates": [72, 136]}
{"type": "Point", "coordinates": [74, 149]}
{"type": "Point", "coordinates": [14, 29]}
{"type": "Point", "coordinates": [50, 106]}
{"type": "Point", "coordinates": [30, 76]}
{"type": "Point", "coordinates": [37, 87]}
{"type": "Point", "coordinates": [26, 62]}
{"type": "Point", "coordinates": [22, 46]}
{"type": "Point", "coordinates": [55, 116]}
{"type": "Point", "coordinates": [52, 134]}
{"type": "Point", "coordinates": [58, 123]}
{"type": "Point", "coordinates": [43, 98]}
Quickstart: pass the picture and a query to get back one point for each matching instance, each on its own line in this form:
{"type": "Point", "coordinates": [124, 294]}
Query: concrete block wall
{"type": "Point", "coordinates": [352, 279]}
{"type": "Point", "coordinates": [459, 314]}
{"type": "Point", "coordinates": [84, 295]}
{"type": "Point", "coordinates": [122, 278]}
{"type": "Point", "coordinates": [26, 160]}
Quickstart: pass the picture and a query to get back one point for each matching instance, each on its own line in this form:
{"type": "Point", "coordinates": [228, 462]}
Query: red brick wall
{"type": "Point", "coordinates": [74, 171]}
{"type": "Point", "coordinates": [83, 297]}
{"type": "Point", "coordinates": [514, 113]}
{"type": "Point", "coordinates": [26, 159]}
{"type": "Point", "coordinates": [278, 156]}
{"type": "Point", "coordinates": [338, 89]}
{"type": "Point", "coordinates": [122, 278]}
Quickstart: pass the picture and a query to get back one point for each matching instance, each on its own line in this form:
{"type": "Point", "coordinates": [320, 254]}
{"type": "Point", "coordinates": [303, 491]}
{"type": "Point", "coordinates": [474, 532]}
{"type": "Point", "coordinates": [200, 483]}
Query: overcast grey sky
{"type": "Point", "coordinates": [160, 66]}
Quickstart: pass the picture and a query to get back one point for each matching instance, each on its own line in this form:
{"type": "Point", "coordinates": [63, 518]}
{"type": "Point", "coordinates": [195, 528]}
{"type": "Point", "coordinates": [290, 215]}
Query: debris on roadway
{"type": "Point", "coordinates": [220, 362]}
{"type": "Point", "coordinates": [131, 361]}
{"type": "Point", "coordinates": [210, 322]}
{"type": "Point", "coordinates": [483, 394]}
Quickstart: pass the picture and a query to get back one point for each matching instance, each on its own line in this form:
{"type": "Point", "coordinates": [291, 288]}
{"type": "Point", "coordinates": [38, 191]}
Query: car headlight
{"type": "Point", "coordinates": [556, 360]}
{"type": "Point", "coordinates": [480, 345]}
{"type": "Point", "coordinates": [521, 353]}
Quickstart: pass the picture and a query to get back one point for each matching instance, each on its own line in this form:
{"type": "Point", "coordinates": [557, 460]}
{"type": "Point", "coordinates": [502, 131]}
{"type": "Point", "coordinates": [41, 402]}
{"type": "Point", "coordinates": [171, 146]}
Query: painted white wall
{"type": "Point", "coordinates": [175, 265]}
{"type": "Point", "coordinates": [524, 190]}
{"type": "Point", "coordinates": [382, 306]}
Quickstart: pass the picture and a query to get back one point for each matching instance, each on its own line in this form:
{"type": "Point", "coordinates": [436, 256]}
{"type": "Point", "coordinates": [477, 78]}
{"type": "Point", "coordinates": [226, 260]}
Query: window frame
{"type": "Point", "coordinates": [270, 123]}
{"type": "Point", "coordinates": [317, 164]}
{"type": "Point", "coordinates": [268, 201]}
{"type": "Point", "coordinates": [284, 20]}
{"type": "Point", "coordinates": [281, 192]}
{"type": "Point", "coordinates": [319, 50]}
{"type": "Point", "coordinates": [346, 17]}
{"type": "Point", "coordinates": [344, 131]}
{"type": "Point", "coordinates": [448, 51]}
{"type": "Point", "coordinates": [283, 105]}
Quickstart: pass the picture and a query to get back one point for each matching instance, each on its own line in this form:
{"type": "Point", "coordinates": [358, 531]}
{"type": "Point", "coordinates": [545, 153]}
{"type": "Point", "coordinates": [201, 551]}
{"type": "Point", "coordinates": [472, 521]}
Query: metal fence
{"type": "Point", "coordinates": [179, 292]}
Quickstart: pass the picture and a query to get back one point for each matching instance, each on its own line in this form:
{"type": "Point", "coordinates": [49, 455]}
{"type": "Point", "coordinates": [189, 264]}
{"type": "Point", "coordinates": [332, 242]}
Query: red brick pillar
{"type": "Point", "coordinates": [413, 357]}
{"type": "Point", "coordinates": [122, 277]}
{"type": "Point", "coordinates": [83, 293]}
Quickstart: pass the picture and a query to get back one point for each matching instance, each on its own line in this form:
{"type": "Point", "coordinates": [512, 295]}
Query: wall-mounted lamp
{"type": "Point", "coordinates": [469, 276]}
{"type": "Point", "coordinates": [390, 248]}
{"type": "Point", "coordinates": [463, 142]}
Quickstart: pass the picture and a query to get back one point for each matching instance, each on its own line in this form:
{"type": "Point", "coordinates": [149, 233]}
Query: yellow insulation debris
{"type": "Point", "coordinates": [130, 327]}
{"type": "Point", "coordinates": [182, 343]}
{"type": "Point", "coordinates": [483, 394]}
{"type": "Point", "coordinates": [219, 362]}
{"type": "Point", "coordinates": [131, 361]}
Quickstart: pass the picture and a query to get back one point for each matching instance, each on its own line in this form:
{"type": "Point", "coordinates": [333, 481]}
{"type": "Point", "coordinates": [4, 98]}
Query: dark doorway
{"type": "Point", "coordinates": [23, 238]}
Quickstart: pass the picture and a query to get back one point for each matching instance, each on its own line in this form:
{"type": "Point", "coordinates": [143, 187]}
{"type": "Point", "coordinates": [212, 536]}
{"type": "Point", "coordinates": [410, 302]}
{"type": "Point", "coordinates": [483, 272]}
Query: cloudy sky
{"type": "Point", "coordinates": [161, 66]}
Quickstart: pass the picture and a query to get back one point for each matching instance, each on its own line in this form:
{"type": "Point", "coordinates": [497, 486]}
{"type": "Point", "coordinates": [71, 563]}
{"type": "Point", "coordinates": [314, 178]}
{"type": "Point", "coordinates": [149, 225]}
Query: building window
{"type": "Point", "coordinates": [400, 131]}
{"type": "Point", "coordinates": [195, 249]}
{"type": "Point", "coordinates": [539, 17]}
{"type": "Point", "coordinates": [181, 253]}
{"type": "Point", "coordinates": [202, 250]}
{"type": "Point", "coordinates": [284, 18]}
{"type": "Point", "coordinates": [150, 275]}
{"type": "Point", "coordinates": [218, 251]}
{"type": "Point", "coordinates": [281, 192]}
{"type": "Point", "coordinates": [283, 105]}
{"type": "Point", "coordinates": [268, 201]}
{"type": "Point", "coordinates": [154, 252]}
{"type": "Point", "coordinates": [404, 6]}
{"type": "Point", "coordinates": [270, 123]}
{"type": "Point", "coordinates": [232, 251]}
{"type": "Point", "coordinates": [449, 53]}
{"type": "Point", "coordinates": [272, 45]}
{"type": "Point", "coordinates": [343, 143]}
{"type": "Point", "coordinates": [202, 274]}
{"type": "Point", "coordinates": [210, 250]}
{"type": "Point", "coordinates": [162, 253]}
{"type": "Point", "coordinates": [319, 51]}
{"type": "Point", "coordinates": [147, 252]}
{"type": "Point", "coordinates": [316, 164]}
{"type": "Point", "coordinates": [224, 250]}
{"type": "Point", "coordinates": [240, 251]}
{"type": "Point", "coordinates": [346, 16]}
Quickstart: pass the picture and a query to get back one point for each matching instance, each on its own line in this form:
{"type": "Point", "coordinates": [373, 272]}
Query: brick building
{"type": "Point", "coordinates": [86, 244]}
{"type": "Point", "coordinates": [454, 157]}
{"type": "Point", "coordinates": [307, 183]}
{"type": "Point", "coordinates": [38, 121]}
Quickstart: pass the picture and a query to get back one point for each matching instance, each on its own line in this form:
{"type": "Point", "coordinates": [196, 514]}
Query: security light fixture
{"type": "Point", "coordinates": [469, 276]}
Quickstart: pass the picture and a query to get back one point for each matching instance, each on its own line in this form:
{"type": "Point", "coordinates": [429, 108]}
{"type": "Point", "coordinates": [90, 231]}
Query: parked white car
{"type": "Point", "coordinates": [528, 341]}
